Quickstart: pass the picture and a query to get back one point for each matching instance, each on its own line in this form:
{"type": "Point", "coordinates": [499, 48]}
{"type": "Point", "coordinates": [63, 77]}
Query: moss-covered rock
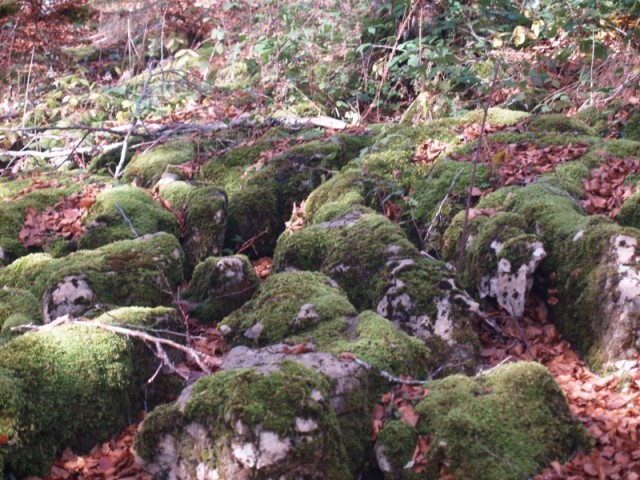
{"type": "Point", "coordinates": [561, 124]}
{"type": "Point", "coordinates": [128, 272]}
{"type": "Point", "coordinates": [17, 307]}
{"type": "Point", "coordinates": [517, 413]}
{"type": "Point", "coordinates": [205, 218]}
{"type": "Point", "coordinates": [248, 422]}
{"type": "Point", "coordinates": [592, 264]}
{"type": "Point", "coordinates": [219, 286]}
{"type": "Point", "coordinates": [147, 167]}
{"type": "Point", "coordinates": [343, 190]}
{"type": "Point", "coordinates": [287, 303]}
{"type": "Point", "coordinates": [500, 258]}
{"type": "Point", "coordinates": [123, 213]}
{"type": "Point", "coordinates": [70, 386]}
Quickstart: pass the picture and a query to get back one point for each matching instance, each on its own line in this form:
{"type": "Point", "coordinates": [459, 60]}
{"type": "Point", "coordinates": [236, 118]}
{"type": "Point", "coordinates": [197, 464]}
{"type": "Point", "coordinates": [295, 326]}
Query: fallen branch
{"type": "Point", "coordinates": [157, 342]}
{"type": "Point", "coordinates": [62, 153]}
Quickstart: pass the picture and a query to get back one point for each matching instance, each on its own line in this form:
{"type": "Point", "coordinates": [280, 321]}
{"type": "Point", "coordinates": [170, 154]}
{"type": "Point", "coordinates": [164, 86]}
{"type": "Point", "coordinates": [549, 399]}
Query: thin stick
{"type": "Point", "coordinates": [126, 219]}
{"type": "Point", "coordinates": [26, 93]}
{"type": "Point", "coordinates": [444, 200]}
{"type": "Point", "coordinates": [476, 158]}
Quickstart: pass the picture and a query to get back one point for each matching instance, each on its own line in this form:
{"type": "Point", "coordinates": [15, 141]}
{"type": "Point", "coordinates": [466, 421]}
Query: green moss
{"type": "Point", "coordinates": [106, 223]}
{"type": "Point", "coordinates": [632, 127]}
{"type": "Point", "coordinates": [260, 401]}
{"type": "Point", "coordinates": [496, 116]}
{"type": "Point", "coordinates": [360, 252]}
{"type": "Point", "coordinates": [560, 123]}
{"type": "Point", "coordinates": [147, 167]}
{"type": "Point", "coordinates": [344, 189]}
{"type": "Point", "coordinates": [205, 218]}
{"type": "Point", "coordinates": [83, 53]}
{"type": "Point", "coordinates": [17, 307]}
{"type": "Point", "coordinates": [254, 214]}
{"type": "Point", "coordinates": [377, 342]}
{"type": "Point", "coordinates": [234, 76]}
{"type": "Point", "coordinates": [630, 212]}
{"type": "Point", "coordinates": [81, 383]}
{"type": "Point", "coordinates": [287, 303]}
{"type": "Point", "coordinates": [623, 148]}
{"type": "Point", "coordinates": [397, 442]}
{"type": "Point", "coordinates": [305, 249]}
{"type": "Point", "coordinates": [221, 285]}
{"type": "Point", "coordinates": [518, 413]}
{"type": "Point", "coordinates": [128, 272]}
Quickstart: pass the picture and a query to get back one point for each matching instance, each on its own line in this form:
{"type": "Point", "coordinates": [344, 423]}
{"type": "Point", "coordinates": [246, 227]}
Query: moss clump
{"type": "Point", "coordinates": [395, 446]}
{"type": "Point", "coordinates": [146, 168]}
{"type": "Point", "coordinates": [258, 401]}
{"type": "Point", "coordinates": [205, 218]}
{"type": "Point", "coordinates": [219, 286]}
{"type": "Point", "coordinates": [287, 303]}
{"type": "Point", "coordinates": [77, 386]}
{"type": "Point", "coordinates": [376, 341]}
{"type": "Point", "coordinates": [305, 249]}
{"type": "Point", "coordinates": [345, 189]}
{"type": "Point", "coordinates": [630, 212]}
{"type": "Point", "coordinates": [128, 272]}
{"type": "Point", "coordinates": [254, 215]}
{"type": "Point", "coordinates": [560, 123]}
{"type": "Point", "coordinates": [623, 148]}
{"type": "Point", "coordinates": [518, 413]}
{"type": "Point", "coordinates": [17, 307]}
{"type": "Point", "coordinates": [361, 251]}
{"type": "Point", "coordinates": [105, 223]}
{"type": "Point", "coordinates": [233, 76]}
{"type": "Point", "coordinates": [632, 127]}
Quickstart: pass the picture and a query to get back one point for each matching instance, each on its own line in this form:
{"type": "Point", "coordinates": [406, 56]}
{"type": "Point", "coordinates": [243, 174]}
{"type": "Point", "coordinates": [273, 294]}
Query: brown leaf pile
{"type": "Point", "coordinates": [605, 190]}
{"type": "Point", "coordinates": [63, 220]}
{"type": "Point", "coordinates": [522, 163]}
{"type": "Point", "coordinates": [111, 460]}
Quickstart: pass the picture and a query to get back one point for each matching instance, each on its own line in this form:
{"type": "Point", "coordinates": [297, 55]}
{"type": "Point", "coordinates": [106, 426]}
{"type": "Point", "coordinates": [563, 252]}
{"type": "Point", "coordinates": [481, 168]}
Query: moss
{"type": "Point", "coordinates": [220, 285]}
{"type": "Point", "coordinates": [377, 342]}
{"type": "Point", "coordinates": [396, 443]}
{"type": "Point", "coordinates": [106, 223]}
{"type": "Point", "coordinates": [344, 189]}
{"type": "Point", "coordinates": [17, 307]}
{"type": "Point", "coordinates": [360, 252]}
{"type": "Point", "coordinates": [205, 218]}
{"type": "Point", "coordinates": [146, 168]}
{"type": "Point", "coordinates": [496, 116]}
{"type": "Point", "coordinates": [575, 245]}
{"type": "Point", "coordinates": [254, 215]}
{"type": "Point", "coordinates": [623, 148]}
{"type": "Point", "coordinates": [631, 129]}
{"type": "Point", "coordinates": [128, 272]}
{"type": "Point", "coordinates": [82, 385]}
{"type": "Point", "coordinates": [630, 212]}
{"type": "Point", "coordinates": [260, 401]}
{"type": "Point", "coordinates": [227, 171]}
{"type": "Point", "coordinates": [560, 123]}
{"type": "Point", "coordinates": [233, 76]}
{"type": "Point", "coordinates": [83, 53]}
{"type": "Point", "coordinates": [391, 152]}
{"type": "Point", "coordinates": [305, 249]}
{"type": "Point", "coordinates": [287, 303]}
{"type": "Point", "coordinates": [518, 413]}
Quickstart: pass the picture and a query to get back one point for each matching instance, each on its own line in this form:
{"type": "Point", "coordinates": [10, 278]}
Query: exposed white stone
{"type": "Point", "coordinates": [509, 288]}
{"type": "Point", "coordinates": [444, 324]}
{"type": "Point", "coordinates": [306, 313]}
{"type": "Point", "coordinates": [254, 332]}
{"type": "Point", "coordinates": [306, 425]}
{"type": "Point", "coordinates": [71, 296]}
{"type": "Point", "coordinates": [381, 458]}
{"type": "Point", "coordinates": [245, 452]}
{"type": "Point", "coordinates": [272, 449]}
{"type": "Point", "coordinates": [578, 235]}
